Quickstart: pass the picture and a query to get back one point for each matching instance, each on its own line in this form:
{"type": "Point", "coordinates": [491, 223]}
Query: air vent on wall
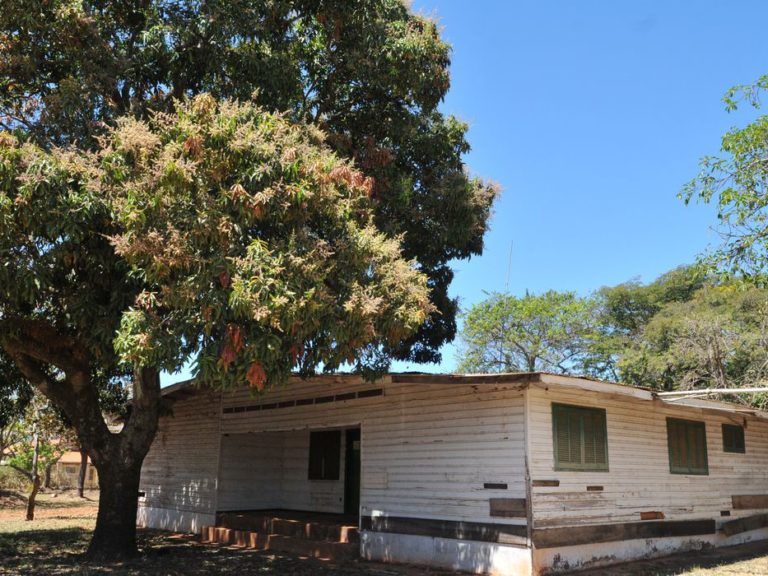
{"type": "Point", "coordinates": [371, 393]}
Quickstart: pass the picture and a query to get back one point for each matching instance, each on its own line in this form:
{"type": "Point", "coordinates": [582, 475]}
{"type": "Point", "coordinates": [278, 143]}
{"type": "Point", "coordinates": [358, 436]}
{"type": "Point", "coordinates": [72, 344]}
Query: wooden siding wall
{"type": "Point", "coordinates": [180, 470]}
{"type": "Point", "coordinates": [639, 481]}
{"type": "Point", "coordinates": [300, 493]}
{"type": "Point", "coordinates": [427, 450]}
{"type": "Point", "coordinates": [264, 470]}
{"type": "Point", "coordinates": [250, 471]}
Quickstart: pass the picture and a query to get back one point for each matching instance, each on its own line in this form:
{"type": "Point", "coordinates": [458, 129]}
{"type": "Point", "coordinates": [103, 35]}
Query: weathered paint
{"type": "Point", "coordinates": [174, 520]}
{"type": "Point", "coordinates": [638, 479]}
{"type": "Point", "coordinates": [427, 451]}
{"type": "Point", "coordinates": [568, 558]}
{"type": "Point", "coordinates": [459, 555]}
{"type": "Point", "coordinates": [443, 451]}
{"type": "Point", "coordinates": [179, 475]}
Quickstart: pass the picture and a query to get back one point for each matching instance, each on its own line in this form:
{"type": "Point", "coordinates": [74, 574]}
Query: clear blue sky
{"type": "Point", "coordinates": [591, 116]}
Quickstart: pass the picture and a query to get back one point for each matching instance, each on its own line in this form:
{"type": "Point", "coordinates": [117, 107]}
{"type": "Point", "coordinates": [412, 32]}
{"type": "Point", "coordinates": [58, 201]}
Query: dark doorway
{"type": "Point", "coordinates": [352, 473]}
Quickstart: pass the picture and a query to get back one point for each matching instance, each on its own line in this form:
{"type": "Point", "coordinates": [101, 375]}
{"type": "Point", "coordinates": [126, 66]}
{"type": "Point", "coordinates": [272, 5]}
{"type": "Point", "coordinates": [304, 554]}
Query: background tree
{"type": "Point", "coordinates": [687, 329]}
{"type": "Point", "coordinates": [626, 309]}
{"type": "Point", "coordinates": [218, 231]}
{"type": "Point", "coordinates": [715, 339]}
{"type": "Point", "coordinates": [737, 182]}
{"type": "Point", "coordinates": [371, 77]}
{"type": "Point", "coordinates": [552, 332]}
{"type": "Point", "coordinates": [15, 394]}
{"type": "Point", "coordinates": [43, 437]}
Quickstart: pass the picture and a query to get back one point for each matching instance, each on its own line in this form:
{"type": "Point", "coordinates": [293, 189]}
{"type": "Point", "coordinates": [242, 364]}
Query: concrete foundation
{"type": "Point", "coordinates": [460, 555]}
{"type": "Point", "coordinates": [173, 520]}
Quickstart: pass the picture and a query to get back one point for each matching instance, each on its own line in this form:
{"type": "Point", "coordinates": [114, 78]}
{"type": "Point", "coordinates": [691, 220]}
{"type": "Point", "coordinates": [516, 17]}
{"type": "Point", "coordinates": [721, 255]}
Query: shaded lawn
{"type": "Point", "coordinates": [57, 552]}
{"type": "Point", "coordinates": [53, 544]}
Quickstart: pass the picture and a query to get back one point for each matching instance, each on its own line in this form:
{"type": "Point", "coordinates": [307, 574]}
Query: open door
{"type": "Point", "coordinates": [352, 473]}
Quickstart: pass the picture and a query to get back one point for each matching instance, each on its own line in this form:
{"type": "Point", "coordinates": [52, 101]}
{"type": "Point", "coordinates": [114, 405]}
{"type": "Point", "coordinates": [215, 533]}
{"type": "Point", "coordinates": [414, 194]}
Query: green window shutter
{"type": "Point", "coordinates": [687, 445]}
{"type": "Point", "coordinates": [562, 436]}
{"type": "Point", "coordinates": [595, 439]}
{"type": "Point", "coordinates": [733, 438]}
{"type": "Point", "coordinates": [579, 437]}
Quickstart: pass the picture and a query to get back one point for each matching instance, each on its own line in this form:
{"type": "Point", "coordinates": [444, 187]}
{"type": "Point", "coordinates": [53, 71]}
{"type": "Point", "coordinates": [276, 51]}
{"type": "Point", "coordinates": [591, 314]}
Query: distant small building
{"type": "Point", "coordinates": [67, 471]}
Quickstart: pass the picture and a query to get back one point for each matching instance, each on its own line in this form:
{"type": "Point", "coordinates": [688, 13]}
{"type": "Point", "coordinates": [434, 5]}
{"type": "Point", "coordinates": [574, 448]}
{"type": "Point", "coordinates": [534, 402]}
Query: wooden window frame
{"type": "Point", "coordinates": [740, 447]}
{"type": "Point", "coordinates": [687, 469]}
{"type": "Point", "coordinates": [324, 455]}
{"type": "Point", "coordinates": [580, 410]}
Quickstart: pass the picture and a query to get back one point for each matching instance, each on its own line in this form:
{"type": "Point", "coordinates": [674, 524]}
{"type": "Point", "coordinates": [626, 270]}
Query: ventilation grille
{"type": "Point", "coordinates": [372, 393]}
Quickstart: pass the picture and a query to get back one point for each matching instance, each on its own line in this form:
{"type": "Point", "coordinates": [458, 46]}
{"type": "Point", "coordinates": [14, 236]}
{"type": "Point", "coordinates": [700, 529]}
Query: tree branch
{"type": "Point", "coordinates": [27, 474]}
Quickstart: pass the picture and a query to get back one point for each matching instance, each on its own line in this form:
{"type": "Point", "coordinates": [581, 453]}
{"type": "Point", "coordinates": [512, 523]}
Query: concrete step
{"type": "Point", "coordinates": [310, 530]}
{"type": "Point", "coordinates": [321, 549]}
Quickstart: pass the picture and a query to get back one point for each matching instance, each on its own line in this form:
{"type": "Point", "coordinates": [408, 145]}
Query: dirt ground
{"type": "Point", "coordinates": [52, 545]}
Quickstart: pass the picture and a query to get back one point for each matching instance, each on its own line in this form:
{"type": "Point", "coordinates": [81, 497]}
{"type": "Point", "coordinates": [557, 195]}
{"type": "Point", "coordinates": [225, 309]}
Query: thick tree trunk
{"type": "Point", "coordinates": [117, 457]}
{"type": "Point", "coordinates": [114, 538]}
{"type": "Point", "coordinates": [119, 468]}
{"type": "Point", "coordinates": [83, 469]}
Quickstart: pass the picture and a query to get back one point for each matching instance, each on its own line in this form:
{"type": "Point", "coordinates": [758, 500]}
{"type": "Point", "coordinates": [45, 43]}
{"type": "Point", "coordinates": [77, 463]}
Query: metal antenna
{"type": "Point", "coordinates": [509, 266]}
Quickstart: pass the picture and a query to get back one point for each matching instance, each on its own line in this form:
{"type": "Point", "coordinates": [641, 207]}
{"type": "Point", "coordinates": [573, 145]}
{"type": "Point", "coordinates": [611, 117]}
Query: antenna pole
{"type": "Point", "coordinates": [509, 267]}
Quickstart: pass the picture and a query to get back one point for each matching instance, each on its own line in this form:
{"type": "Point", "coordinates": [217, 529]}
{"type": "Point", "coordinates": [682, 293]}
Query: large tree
{"type": "Point", "coordinates": [370, 73]}
{"type": "Point", "coordinates": [218, 231]}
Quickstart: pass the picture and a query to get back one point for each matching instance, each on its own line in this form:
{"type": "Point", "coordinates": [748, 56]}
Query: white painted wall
{"type": "Point", "coordinates": [250, 473]}
{"type": "Point", "coordinates": [458, 555]}
{"type": "Point", "coordinates": [179, 475]}
{"type": "Point", "coordinates": [269, 470]}
{"type": "Point", "coordinates": [426, 449]}
{"type": "Point", "coordinates": [639, 478]}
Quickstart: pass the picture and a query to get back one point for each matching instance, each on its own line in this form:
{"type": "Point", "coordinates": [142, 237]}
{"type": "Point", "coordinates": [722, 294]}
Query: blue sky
{"type": "Point", "coordinates": [591, 116]}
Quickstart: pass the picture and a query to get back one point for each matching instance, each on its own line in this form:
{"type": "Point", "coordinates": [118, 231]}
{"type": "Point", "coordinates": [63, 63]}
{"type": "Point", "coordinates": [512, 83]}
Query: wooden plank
{"type": "Point", "coordinates": [594, 534]}
{"type": "Point", "coordinates": [745, 524]}
{"type": "Point", "coordinates": [454, 530]}
{"type": "Point", "coordinates": [749, 501]}
{"type": "Point", "coordinates": [519, 378]}
{"type": "Point", "coordinates": [652, 515]}
{"type": "Point", "coordinates": [507, 507]}
{"type": "Point", "coordinates": [542, 483]}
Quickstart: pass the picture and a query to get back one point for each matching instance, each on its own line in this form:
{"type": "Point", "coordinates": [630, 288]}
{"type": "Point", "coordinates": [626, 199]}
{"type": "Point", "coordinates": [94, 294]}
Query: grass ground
{"type": "Point", "coordinates": [52, 545]}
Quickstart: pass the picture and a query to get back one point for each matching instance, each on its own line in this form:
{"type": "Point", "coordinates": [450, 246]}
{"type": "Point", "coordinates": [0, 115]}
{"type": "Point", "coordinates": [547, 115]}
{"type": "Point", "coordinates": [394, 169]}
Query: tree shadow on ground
{"type": "Point", "coordinates": [41, 551]}
{"type": "Point", "coordinates": [60, 552]}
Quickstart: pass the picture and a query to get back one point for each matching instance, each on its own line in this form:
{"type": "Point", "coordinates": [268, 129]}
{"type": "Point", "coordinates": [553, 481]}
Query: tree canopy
{"type": "Point", "coordinates": [716, 338]}
{"type": "Point", "coordinates": [737, 182]}
{"type": "Point", "coordinates": [261, 184]}
{"type": "Point", "coordinates": [687, 329]}
{"type": "Point", "coordinates": [219, 230]}
{"type": "Point", "coordinates": [371, 78]}
{"type": "Point", "coordinates": [551, 332]}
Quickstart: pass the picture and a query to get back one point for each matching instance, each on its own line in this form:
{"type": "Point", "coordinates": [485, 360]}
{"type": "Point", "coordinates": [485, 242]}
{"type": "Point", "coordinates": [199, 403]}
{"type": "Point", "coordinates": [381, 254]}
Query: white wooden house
{"type": "Point", "coordinates": [503, 474]}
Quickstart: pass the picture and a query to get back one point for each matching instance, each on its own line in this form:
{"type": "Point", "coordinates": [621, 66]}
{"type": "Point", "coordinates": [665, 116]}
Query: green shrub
{"type": "Point", "coordinates": [11, 479]}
